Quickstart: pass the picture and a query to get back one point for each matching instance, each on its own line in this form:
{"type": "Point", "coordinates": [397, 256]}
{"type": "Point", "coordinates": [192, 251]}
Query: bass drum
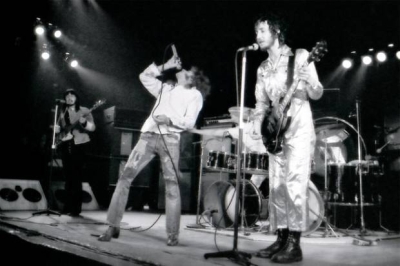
{"type": "Point", "coordinates": [220, 202]}
{"type": "Point", "coordinates": [316, 207]}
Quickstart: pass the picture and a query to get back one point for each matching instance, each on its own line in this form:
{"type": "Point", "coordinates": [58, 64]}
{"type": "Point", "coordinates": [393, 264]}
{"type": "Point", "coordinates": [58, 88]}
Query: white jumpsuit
{"type": "Point", "coordinates": [289, 170]}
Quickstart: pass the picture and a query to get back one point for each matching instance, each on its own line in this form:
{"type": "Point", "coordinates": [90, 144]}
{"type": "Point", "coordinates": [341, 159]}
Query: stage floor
{"type": "Point", "coordinates": [63, 240]}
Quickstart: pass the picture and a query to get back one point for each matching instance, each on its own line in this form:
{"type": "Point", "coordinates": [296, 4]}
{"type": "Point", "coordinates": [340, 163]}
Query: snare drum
{"type": "Point", "coordinates": [255, 163]}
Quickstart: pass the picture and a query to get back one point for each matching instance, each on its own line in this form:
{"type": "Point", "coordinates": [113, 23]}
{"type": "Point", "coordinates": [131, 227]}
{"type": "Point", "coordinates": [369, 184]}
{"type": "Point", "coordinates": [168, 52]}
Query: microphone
{"type": "Point", "coordinates": [175, 54]}
{"type": "Point", "coordinates": [60, 101]}
{"type": "Point", "coordinates": [252, 47]}
{"type": "Point", "coordinates": [352, 114]}
{"type": "Point", "coordinates": [174, 50]}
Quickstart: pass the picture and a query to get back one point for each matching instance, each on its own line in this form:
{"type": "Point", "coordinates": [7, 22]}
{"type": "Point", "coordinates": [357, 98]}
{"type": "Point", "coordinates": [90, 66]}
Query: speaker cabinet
{"type": "Point", "coordinates": [89, 201]}
{"type": "Point", "coordinates": [21, 195]}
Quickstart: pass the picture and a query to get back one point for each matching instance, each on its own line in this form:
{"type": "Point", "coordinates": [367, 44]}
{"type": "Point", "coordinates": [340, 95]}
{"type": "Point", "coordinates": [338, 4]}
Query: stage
{"type": "Point", "coordinates": [63, 240]}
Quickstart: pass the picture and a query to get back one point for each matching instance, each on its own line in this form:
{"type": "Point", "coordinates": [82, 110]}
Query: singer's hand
{"type": "Point", "coordinates": [82, 120]}
{"type": "Point", "coordinates": [162, 120]}
{"type": "Point", "coordinates": [173, 62]}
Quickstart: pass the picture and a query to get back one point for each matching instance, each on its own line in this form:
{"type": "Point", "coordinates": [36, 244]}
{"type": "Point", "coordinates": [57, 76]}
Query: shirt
{"type": "Point", "coordinates": [181, 105]}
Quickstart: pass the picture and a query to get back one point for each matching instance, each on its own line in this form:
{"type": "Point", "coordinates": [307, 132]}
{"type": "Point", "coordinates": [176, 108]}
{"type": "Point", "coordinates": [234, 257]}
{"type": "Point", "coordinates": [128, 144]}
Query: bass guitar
{"type": "Point", "coordinates": [276, 121]}
{"type": "Point", "coordinates": [66, 133]}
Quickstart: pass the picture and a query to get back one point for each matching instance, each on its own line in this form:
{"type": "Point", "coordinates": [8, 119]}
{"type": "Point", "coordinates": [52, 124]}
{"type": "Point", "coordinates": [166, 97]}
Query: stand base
{"type": "Point", "coordinates": [239, 257]}
{"type": "Point", "coordinates": [48, 212]}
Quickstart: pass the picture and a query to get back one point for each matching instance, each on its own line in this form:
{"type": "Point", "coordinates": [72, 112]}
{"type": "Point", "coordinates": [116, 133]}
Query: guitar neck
{"type": "Point", "coordinates": [292, 88]}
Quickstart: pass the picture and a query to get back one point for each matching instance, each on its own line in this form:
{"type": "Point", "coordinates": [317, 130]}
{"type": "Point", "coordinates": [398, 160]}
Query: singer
{"type": "Point", "coordinates": [176, 110]}
{"type": "Point", "coordinates": [74, 124]}
{"type": "Point", "coordinates": [289, 170]}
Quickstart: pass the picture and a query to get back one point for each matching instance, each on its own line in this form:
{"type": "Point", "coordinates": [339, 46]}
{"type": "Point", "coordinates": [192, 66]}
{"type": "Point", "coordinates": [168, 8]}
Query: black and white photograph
{"type": "Point", "coordinates": [188, 132]}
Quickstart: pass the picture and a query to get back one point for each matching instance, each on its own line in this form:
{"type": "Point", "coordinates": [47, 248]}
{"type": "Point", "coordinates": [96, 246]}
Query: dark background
{"type": "Point", "coordinates": [115, 40]}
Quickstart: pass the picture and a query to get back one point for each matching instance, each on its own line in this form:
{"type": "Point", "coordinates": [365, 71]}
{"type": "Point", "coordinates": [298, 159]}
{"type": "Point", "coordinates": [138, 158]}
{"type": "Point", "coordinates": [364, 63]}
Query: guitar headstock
{"type": "Point", "coordinates": [318, 51]}
{"type": "Point", "coordinates": [98, 104]}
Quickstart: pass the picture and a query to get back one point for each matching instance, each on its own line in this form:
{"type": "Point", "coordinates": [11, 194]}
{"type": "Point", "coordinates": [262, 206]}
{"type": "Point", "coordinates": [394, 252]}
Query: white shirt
{"type": "Point", "coordinates": [180, 104]}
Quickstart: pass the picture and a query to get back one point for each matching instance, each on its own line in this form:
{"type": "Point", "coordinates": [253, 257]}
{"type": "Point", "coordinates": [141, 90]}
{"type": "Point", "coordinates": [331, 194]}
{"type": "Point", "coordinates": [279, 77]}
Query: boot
{"type": "Point", "coordinates": [172, 240]}
{"type": "Point", "coordinates": [111, 232]}
{"type": "Point", "coordinates": [291, 252]}
{"type": "Point", "coordinates": [276, 246]}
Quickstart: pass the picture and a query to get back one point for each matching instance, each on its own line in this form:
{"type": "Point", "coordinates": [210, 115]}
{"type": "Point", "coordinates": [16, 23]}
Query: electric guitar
{"type": "Point", "coordinates": [276, 121]}
{"type": "Point", "coordinates": [66, 133]}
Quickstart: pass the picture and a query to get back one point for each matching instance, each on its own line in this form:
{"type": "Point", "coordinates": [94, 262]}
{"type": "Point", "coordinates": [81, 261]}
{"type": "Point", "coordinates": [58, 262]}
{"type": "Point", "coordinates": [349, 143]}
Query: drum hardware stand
{"type": "Point", "coordinates": [234, 254]}
{"type": "Point", "coordinates": [198, 224]}
{"type": "Point", "coordinates": [328, 229]}
{"type": "Point", "coordinates": [53, 148]}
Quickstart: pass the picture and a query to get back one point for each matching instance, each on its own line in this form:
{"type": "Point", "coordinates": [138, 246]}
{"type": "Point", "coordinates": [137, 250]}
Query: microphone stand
{"type": "Point", "coordinates": [234, 254]}
{"type": "Point", "coordinates": [361, 199]}
{"type": "Point", "coordinates": [53, 147]}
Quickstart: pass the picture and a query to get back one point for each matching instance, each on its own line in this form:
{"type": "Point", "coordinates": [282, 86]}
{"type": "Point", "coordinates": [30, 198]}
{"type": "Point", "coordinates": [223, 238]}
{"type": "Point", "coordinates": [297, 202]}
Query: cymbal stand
{"type": "Point", "coordinates": [326, 193]}
{"type": "Point", "coordinates": [198, 217]}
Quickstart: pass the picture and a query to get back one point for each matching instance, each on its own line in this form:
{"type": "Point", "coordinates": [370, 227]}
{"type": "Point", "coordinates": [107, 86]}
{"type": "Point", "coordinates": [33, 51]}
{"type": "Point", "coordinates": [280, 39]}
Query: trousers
{"type": "Point", "coordinates": [149, 145]}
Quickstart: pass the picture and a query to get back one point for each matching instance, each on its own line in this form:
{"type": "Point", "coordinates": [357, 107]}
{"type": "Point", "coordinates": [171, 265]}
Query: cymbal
{"type": "Point", "coordinates": [331, 133]}
{"type": "Point", "coordinates": [357, 162]}
{"type": "Point", "coordinates": [329, 127]}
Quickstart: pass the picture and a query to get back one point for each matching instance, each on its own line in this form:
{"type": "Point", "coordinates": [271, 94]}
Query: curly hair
{"type": "Point", "coordinates": [201, 82]}
{"type": "Point", "coordinates": [277, 24]}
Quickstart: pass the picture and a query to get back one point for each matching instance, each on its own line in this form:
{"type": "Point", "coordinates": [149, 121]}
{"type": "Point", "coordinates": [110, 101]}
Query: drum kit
{"type": "Point", "coordinates": [341, 180]}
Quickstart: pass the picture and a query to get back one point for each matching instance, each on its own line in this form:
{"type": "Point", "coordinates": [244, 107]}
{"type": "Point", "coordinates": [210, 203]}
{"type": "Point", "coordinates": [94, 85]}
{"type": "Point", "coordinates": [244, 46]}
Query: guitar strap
{"type": "Point", "coordinates": [290, 71]}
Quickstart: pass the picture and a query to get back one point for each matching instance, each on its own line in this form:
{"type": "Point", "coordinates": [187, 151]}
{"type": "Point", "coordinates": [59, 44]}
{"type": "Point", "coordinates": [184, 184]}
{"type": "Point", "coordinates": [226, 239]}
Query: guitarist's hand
{"type": "Point", "coordinates": [82, 120]}
{"type": "Point", "coordinates": [305, 74]}
{"type": "Point", "coordinates": [255, 132]}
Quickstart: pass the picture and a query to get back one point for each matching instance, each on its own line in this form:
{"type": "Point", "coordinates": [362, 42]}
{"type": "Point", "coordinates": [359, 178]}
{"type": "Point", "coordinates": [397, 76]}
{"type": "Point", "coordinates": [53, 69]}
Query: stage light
{"type": "Point", "coordinates": [45, 55]}
{"type": "Point", "coordinates": [347, 63]}
{"type": "Point", "coordinates": [39, 27]}
{"type": "Point", "coordinates": [367, 60]}
{"type": "Point", "coordinates": [39, 30]}
{"type": "Point", "coordinates": [44, 52]}
{"type": "Point", "coordinates": [71, 60]}
{"type": "Point", "coordinates": [381, 56]}
{"type": "Point", "coordinates": [74, 63]}
{"type": "Point", "coordinates": [398, 55]}
{"type": "Point", "coordinates": [390, 45]}
{"type": "Point", "coordinates": [57, 33]}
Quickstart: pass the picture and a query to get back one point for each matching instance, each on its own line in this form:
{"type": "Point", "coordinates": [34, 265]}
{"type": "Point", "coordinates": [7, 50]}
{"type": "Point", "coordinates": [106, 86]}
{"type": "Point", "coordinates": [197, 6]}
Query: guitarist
{"type": "Point", "coordinates": [289, 170]}
{"type": "Point", "coordinates": [73, 148]}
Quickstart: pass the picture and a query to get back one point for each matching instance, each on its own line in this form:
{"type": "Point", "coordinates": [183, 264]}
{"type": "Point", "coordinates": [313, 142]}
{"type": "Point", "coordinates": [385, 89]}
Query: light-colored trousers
{"type": "Point", "coordinates": [289, 175]}
{"type": "Point", "coordinates": [145, 150]}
